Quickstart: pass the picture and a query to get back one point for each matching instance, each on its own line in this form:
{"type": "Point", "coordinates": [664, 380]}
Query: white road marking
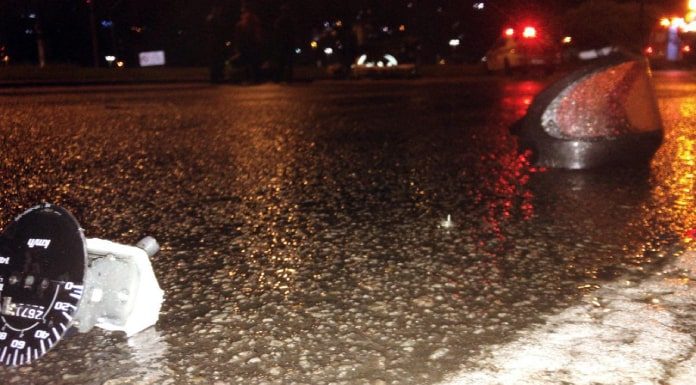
{"type": "Point", "coordinates": [623, 333]}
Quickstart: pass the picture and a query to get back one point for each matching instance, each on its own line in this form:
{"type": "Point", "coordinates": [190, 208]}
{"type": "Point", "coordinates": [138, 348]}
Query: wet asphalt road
{"type": "Point", "coordinates": [301, 225]}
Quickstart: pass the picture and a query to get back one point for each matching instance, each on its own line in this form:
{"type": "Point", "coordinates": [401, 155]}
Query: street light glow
{"type": "Point", "coordinates": [391, 60]}
{"type": "Point", "coordinates": [361, 59]}
{"type": "Point", "coordinates": [680, 23]}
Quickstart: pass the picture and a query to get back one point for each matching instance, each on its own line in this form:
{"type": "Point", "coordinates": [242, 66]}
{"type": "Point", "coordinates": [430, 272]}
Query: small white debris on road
{"type": "Point", "coordinates": [447, 223]}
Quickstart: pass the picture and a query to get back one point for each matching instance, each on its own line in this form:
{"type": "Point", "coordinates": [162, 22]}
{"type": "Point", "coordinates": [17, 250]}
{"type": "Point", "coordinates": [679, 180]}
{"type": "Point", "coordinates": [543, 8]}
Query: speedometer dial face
{"type": "Point", "coordinates": [42, 267]}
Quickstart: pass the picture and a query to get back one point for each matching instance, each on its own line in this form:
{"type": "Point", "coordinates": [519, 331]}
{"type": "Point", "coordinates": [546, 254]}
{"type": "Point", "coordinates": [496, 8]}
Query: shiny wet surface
{"type": "Point", "coordinates": [302, 225]}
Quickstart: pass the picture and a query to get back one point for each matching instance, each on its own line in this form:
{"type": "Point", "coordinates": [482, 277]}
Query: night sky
{"type": "Point", "coordinates": [180, 27]}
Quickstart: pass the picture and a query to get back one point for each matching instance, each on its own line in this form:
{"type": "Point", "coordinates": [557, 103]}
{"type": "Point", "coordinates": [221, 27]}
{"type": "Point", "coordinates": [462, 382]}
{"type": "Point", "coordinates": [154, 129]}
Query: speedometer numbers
{"type": "Point", "coordinates": [42, 266]}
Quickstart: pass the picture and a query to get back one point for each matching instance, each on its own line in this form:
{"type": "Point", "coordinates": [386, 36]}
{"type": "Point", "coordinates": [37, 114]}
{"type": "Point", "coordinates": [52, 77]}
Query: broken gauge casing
{"type": "Point", "coordinates": [53, 280]}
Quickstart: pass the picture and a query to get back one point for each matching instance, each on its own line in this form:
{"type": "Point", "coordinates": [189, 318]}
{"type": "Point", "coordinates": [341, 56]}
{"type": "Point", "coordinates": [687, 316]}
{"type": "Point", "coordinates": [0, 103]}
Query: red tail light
{"type": "Point", "coordinates": [529, 32]}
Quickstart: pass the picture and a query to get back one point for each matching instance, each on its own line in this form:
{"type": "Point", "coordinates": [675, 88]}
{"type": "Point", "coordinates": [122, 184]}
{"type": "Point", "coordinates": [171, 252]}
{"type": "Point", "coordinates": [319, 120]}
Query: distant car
{"type": "Point", "coordinates": [522, 49]}
{"type": "Point", "coordinates": [381, 66]}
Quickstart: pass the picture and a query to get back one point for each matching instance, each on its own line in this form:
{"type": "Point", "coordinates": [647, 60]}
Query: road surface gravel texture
{"type": "Point", "coordinates": [304, 238]}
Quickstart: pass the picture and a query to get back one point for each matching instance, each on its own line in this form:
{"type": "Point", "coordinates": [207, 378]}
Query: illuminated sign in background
{"type": "Point", "coordinates": [152, 58]}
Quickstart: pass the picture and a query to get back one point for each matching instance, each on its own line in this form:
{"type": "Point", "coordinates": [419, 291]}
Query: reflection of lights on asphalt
{"type": "Point", "coordinates": [690, 235]}
{"type": "Point", "coordinates": [148, 350]}
{"type": "Point", "coordinates": [676, 162]}
{"type": "Point", "coordinates": [524, 95]}
{"type": "Point", "coordinates": [686, 179]}
{"type": "Point", "coordinates": [687, 151]}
